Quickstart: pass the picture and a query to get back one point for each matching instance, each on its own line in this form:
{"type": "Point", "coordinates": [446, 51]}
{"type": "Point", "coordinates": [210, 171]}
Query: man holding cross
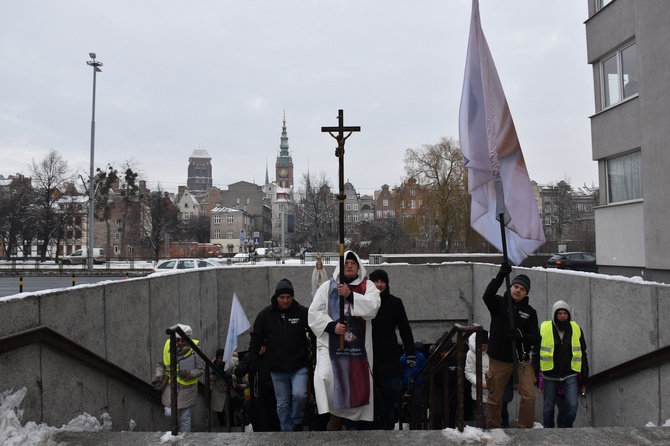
{"type": "Point", "coordinates": [342, 378]}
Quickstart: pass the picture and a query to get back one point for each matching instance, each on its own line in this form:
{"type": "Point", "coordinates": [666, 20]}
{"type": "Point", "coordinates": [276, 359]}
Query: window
{"type": "Point", "coordinates": [379, 214]}
{"type": "Point", "coordinates": [624, 177]}
{"type": "Point", "coordinates": [603, 3]}
{"type": "Point", "coordinates": [412, 204]}
{"type": "Point", "coordinates": [185, 205]}
{"type": "Point", "coordinates": [117, 236]}
{"type": "Point", "coordinates": [385, 202]}
{"type": "Point", "coordinates": [229, 234]}
{"type": "Point", "coordinates": [619, 76]}
{"type": "Point", "coordinates": [229, 218]}
{"type": "Point", "coordinates": [412, 192]}
{"type": "Point", "coordinates": [131, 250]}
{"type": "Point", "coordinates": [118, 222]}
{"type": "Point", "coordinates": [217, 233]}
{"type": "Point", "coordinates": [347, 207]}
{"type": "Point", "coordinates": [217, 219]}
{"type": "Point", "coordinates": [116, 249]}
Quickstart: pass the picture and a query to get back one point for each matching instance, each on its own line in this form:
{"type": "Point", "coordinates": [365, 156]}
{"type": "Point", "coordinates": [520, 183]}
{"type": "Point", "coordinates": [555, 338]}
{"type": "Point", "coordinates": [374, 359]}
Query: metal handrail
{"type": "Point", "coordinates": [635, 365]}
{"type": "Point", "coordinates": [436, 362]}
{"type": "Point", "coordinates": [173, 331]}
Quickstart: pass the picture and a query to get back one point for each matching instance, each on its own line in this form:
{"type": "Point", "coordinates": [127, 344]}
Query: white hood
{"type": "Point", "coordinates": [362, 273]}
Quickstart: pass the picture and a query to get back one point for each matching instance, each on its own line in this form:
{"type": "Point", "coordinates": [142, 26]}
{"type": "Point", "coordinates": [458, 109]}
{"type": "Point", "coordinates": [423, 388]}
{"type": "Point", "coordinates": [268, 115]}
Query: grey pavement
{"type": "Point", "coordinates": [608, 436]}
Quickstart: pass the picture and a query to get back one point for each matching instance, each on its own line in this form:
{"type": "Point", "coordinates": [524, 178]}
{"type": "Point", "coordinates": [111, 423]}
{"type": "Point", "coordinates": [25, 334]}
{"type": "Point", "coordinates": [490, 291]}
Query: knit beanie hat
{"type": "Point", "coordinates": [284, 286]}
{"type": "Point", "coordinates": [352, 256]}
{"type": "Point", "coordinates": [522, 280]}
{"type": "Point", "coordinates": [379, 274]}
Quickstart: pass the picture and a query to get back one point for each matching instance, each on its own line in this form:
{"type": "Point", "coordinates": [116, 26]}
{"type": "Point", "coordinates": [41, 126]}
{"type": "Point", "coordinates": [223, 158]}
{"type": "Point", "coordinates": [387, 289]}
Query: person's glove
{"type": "Point", "coordinates": [184, 374]}
{"type": "Point", "coordinates": [505, 270]}
{"type": "Point", "coordinates": [513, 334]}
{"type": "Point", "coordinates": [410, 361]}
{"type": "Point", "coordinates": [157, 385]}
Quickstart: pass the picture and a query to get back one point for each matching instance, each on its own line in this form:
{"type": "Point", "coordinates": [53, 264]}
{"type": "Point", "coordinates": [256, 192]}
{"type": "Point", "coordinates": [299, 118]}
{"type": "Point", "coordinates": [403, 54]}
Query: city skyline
{"type": "Point", "coordinates": [221, 78]}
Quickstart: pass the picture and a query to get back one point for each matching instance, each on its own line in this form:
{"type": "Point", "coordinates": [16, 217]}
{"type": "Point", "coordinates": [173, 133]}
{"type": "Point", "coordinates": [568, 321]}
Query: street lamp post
{"type": "Point", "coordinates": [91, 190]}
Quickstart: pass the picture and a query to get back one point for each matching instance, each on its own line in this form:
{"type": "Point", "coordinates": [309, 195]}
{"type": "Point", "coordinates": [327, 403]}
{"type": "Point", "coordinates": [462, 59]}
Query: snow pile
{"type": "Point", "coordinates": [12, 433]}
{"type": "Point", "coordinates": [475, 435]}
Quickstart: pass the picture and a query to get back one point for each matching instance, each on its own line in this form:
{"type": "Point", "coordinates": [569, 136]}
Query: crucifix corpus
{"type": "Point", "coordinates": [338, 134]}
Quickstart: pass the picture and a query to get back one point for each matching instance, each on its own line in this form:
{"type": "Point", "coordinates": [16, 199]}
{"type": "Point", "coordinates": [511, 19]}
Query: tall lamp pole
{"type": "Point", "coordinates": [91, 189]}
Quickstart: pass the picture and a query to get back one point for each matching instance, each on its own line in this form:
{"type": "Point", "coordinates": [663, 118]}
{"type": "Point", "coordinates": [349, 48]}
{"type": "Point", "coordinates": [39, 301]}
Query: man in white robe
{"type": "Point", "coordinates": [362, 301]}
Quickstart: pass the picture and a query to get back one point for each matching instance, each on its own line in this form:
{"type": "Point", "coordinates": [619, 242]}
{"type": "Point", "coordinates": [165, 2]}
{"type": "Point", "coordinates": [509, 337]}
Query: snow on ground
{"type": "Point", "coordinates": [13, 433]}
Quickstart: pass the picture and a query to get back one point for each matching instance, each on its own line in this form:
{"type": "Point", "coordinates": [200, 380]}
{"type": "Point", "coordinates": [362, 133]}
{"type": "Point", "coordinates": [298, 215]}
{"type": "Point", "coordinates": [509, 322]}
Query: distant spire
{"type": "Point", "coordinates": [267, 176]}
{"type": "Point", "coordinates": [283, 144]}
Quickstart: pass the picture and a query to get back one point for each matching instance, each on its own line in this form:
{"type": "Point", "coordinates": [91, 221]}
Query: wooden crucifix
{"type": "Point", "coordinates": [338, 134]}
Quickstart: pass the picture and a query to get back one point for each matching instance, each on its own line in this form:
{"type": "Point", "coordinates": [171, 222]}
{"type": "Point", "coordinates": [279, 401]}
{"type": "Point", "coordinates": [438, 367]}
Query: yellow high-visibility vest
{"type": "Point", "coordinates": [547, 347]}
{"type": "Point", "coordinates": [166, 361]}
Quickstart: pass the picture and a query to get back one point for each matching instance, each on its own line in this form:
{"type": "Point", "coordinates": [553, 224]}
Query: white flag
{"type": "Point", "coordinates": [498, 180]}
{"type": "Point", "coordinates": [237, 325]}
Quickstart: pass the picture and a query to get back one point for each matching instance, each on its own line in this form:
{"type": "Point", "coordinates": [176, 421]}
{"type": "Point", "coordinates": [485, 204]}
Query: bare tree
{"type": "Point", "coordinates": [130, 196]}
{"type": "Point", "coordinates": [195, 229]}
{"type": "Point", "coordinates": [48, 176]}
{"type": "Point", "coordinates": [444, 213]}
{"type": "Point", "coordinates": [160, 219]}
{"type": "Point", "coordinates": [15, 210]}
{"type": "Point", "coordinates": [104, 182]}
{"type": "Point", "coordinates": [316, 214]}
{"type": "Point", "coordinates": [558, 209]}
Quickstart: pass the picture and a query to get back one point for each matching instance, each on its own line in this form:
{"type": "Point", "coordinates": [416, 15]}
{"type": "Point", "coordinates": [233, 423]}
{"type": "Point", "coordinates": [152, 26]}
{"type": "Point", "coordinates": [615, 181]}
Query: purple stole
{"type": "Point", "coordinates": [351, 374]}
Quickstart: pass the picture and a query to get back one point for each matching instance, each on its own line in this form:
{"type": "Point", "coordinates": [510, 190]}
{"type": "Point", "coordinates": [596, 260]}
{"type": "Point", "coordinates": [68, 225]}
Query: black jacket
{"type": "Point", "coordinates": [285, 334]}
{"type": "Point", "coordinates": [525, 319]}
{"type": "Point", "coordinates": [385, 349]}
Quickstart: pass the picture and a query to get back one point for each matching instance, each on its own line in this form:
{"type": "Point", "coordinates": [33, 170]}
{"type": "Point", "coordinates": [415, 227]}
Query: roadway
{"type": "Point", "coordinates": [9, 285]}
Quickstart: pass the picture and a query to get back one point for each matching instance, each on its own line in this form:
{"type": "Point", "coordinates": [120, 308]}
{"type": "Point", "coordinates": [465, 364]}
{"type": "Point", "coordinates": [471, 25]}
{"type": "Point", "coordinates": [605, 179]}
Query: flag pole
{"type": "Point", "coordinates": [500, 208]}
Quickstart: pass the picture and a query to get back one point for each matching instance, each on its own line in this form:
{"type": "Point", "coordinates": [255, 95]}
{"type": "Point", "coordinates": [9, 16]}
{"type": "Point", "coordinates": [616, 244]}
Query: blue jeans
{"type": "Point", "coordinates": [291, 394]}
{"type": "Point", "coordinates": [571, 395]}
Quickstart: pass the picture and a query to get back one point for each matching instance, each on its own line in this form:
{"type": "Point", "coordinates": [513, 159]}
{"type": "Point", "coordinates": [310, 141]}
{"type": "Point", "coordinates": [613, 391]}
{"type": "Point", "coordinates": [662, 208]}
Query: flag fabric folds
{"type": "Point", "coordinates": [498, 180]}
{"type": "Point", "coordinates": [237, 325]}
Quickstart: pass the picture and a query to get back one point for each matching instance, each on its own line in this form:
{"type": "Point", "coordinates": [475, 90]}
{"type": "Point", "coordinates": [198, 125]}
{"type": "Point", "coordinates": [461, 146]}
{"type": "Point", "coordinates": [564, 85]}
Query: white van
{"type": "Point", "coordinates": [79, 256]}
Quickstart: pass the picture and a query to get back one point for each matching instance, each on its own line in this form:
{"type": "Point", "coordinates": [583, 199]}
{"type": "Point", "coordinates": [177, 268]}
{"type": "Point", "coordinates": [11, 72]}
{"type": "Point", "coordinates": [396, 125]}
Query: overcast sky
{"type": "Point", "coordinates": [219, 76]}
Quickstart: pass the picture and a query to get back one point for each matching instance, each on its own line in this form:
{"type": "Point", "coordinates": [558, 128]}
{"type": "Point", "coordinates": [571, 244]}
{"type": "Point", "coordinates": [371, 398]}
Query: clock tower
{"type": "Point", "coordinates": [284, 164]}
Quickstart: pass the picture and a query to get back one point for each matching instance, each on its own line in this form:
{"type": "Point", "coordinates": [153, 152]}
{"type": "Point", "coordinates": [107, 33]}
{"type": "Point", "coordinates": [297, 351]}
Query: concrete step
{"type": "Point", "coordinates": [608, 436]}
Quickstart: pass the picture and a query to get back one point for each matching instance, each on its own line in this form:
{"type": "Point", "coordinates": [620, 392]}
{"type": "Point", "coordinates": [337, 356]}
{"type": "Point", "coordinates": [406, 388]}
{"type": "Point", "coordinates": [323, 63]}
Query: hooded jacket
{"type": "Point", "coordinates": [563, 349]}
{"type": "Point", "coordinates": [391, 314]}
{"type": "Point", "coordinates": [364, 304]}
{"type": "Point", "coordinates": [284, 333]}
{"type": "Point", "coordinates": [525, 320]}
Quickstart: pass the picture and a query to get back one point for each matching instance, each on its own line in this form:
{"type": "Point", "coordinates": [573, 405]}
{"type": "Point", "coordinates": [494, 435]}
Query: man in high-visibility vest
{"type": "Point", "coordinates": [562, 358]}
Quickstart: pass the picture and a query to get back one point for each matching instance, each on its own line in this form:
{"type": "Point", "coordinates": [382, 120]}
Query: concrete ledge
{"type": "Point", "coordinates": [611, 436]}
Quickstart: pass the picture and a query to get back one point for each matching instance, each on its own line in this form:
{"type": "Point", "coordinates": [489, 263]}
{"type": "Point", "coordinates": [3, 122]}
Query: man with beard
{"type": "Point", "coordinates": [342, 377]}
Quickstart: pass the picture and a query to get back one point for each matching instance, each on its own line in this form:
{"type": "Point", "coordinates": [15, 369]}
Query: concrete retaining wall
{"type": "Point", "coordinates": [125, 322]}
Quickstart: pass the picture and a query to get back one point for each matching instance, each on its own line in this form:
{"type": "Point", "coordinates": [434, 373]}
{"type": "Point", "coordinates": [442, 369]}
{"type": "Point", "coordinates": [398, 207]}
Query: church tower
{"type": "Point", "coordinates": [284, 164]}
{"type": "Point", "coordinates": [199, 171]}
